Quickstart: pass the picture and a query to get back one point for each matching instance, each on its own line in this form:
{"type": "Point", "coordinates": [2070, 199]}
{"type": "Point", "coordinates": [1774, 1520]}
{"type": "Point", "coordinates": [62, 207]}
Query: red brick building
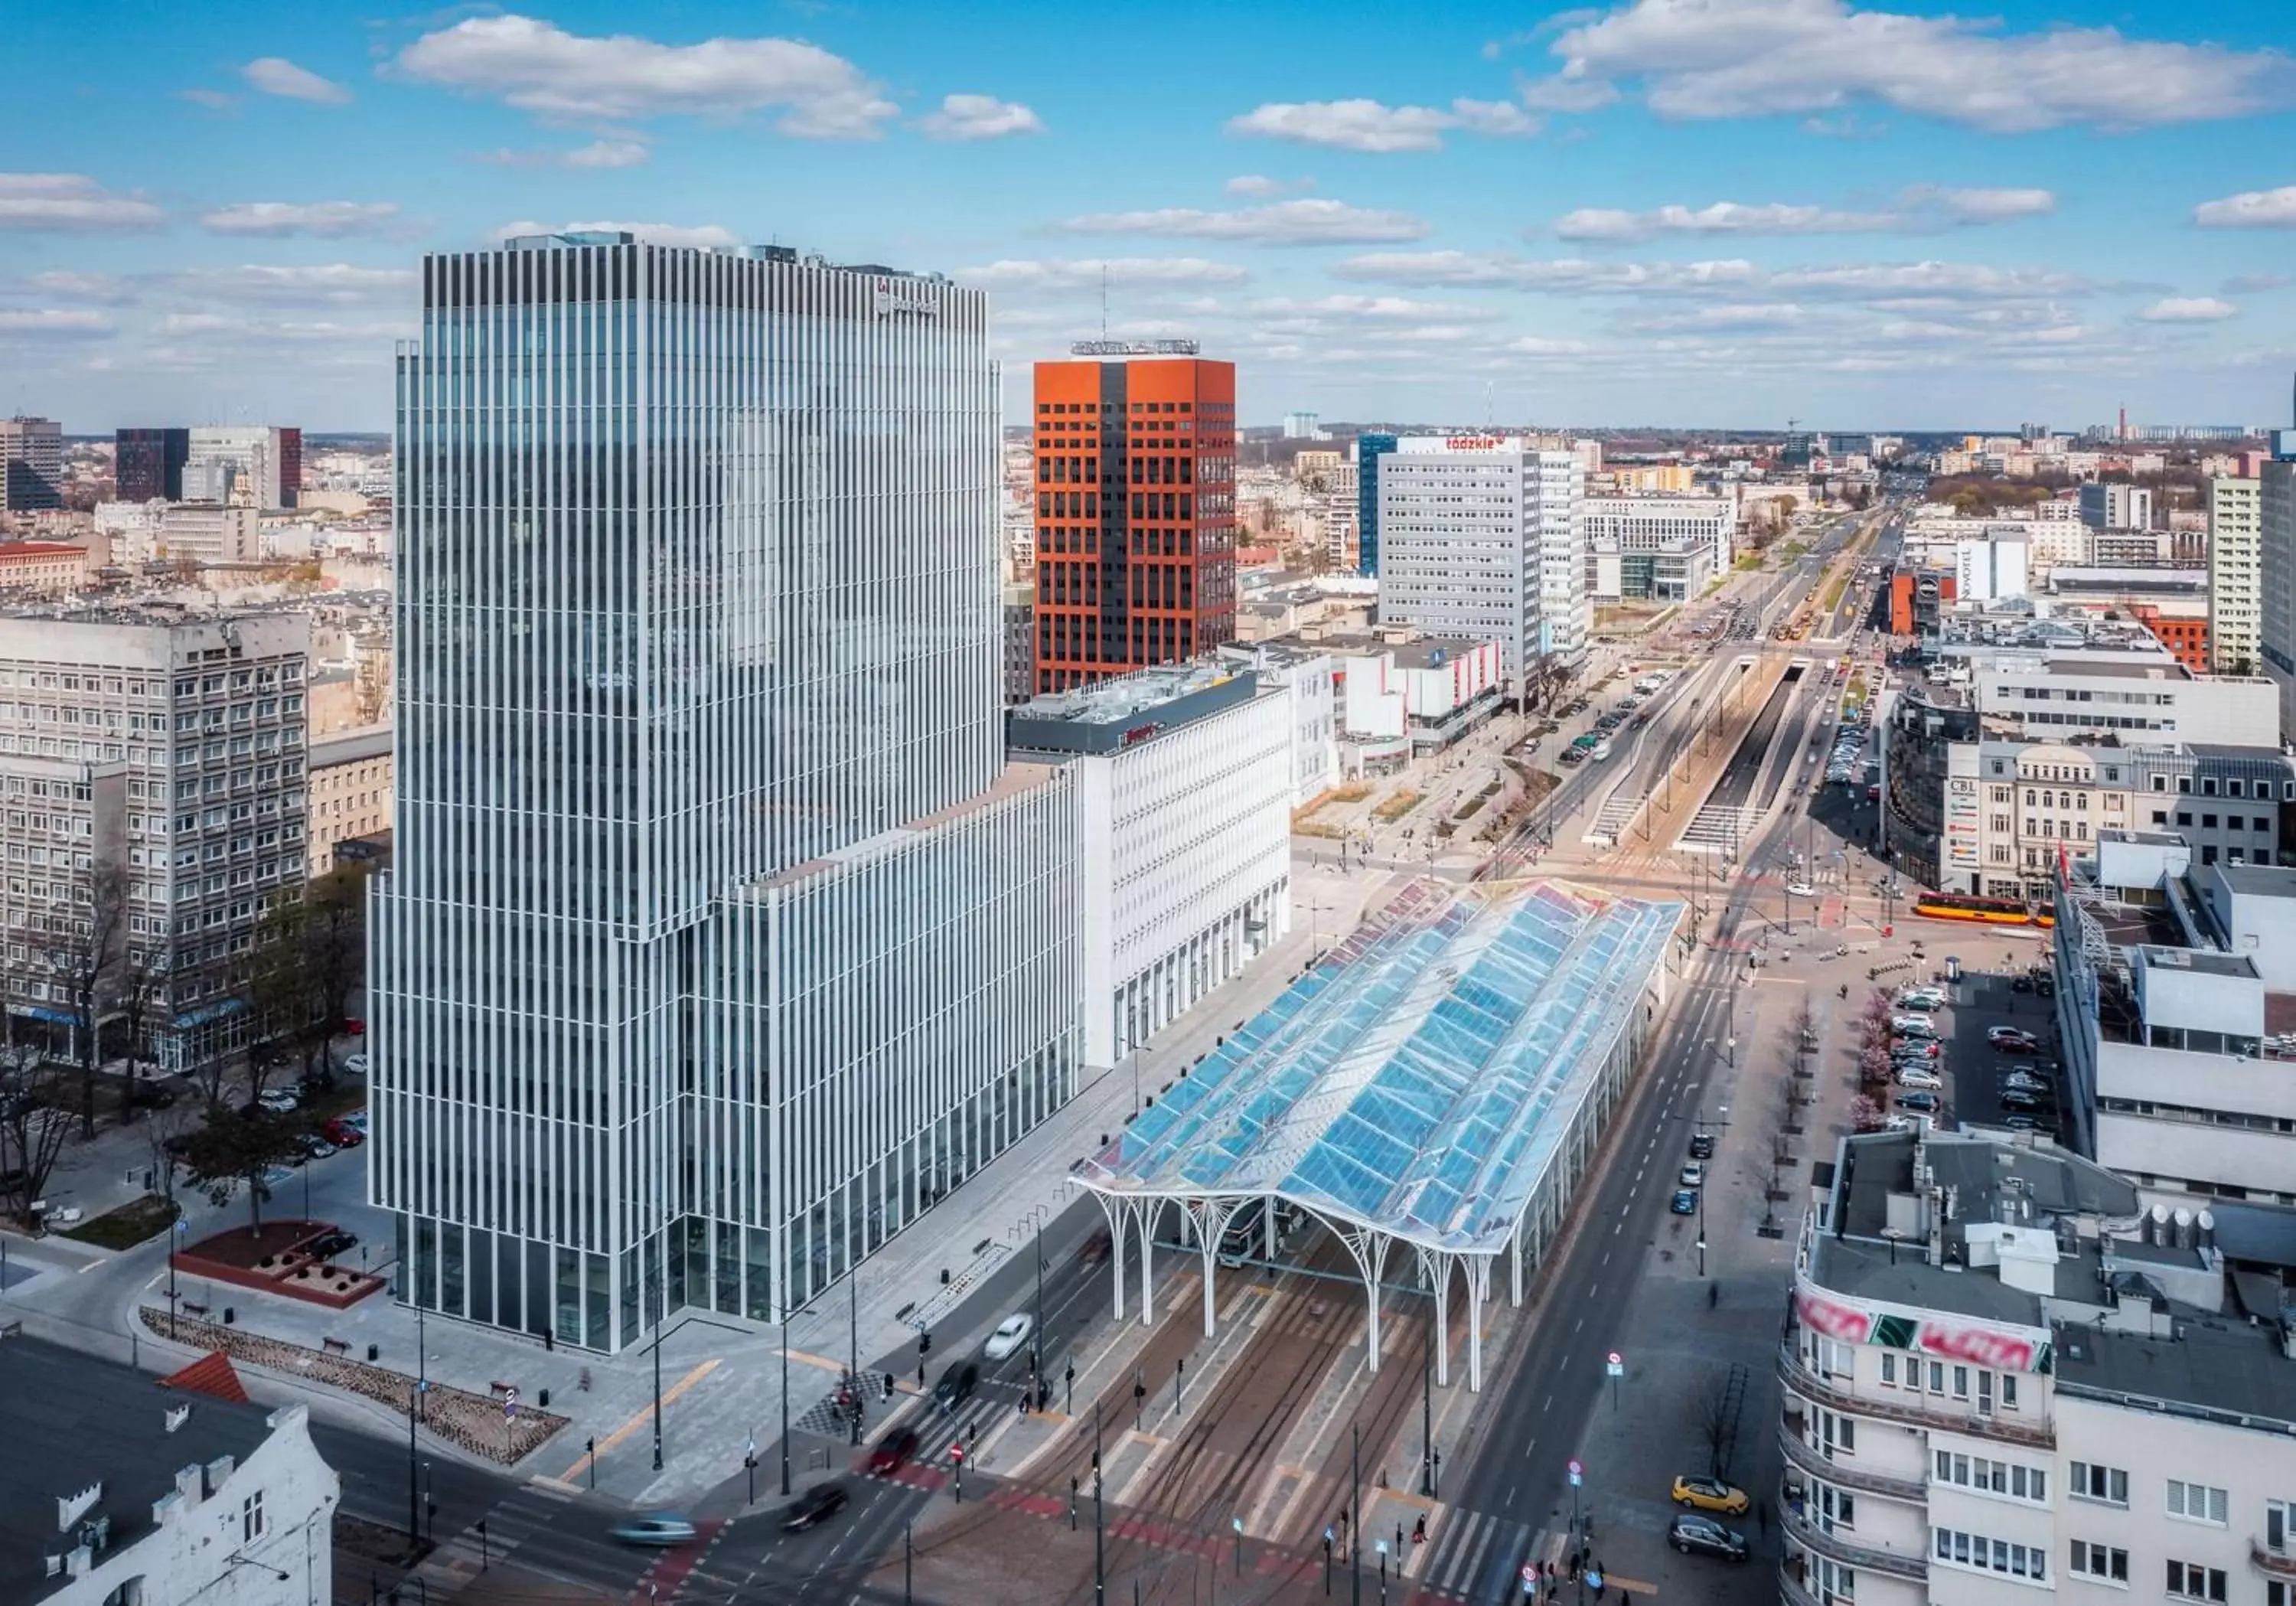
{"type": "Point", "coordinates": [1135, 511]}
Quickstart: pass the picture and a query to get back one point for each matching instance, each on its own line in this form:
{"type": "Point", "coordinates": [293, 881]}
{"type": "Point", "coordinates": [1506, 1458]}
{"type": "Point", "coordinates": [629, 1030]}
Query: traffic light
{"type": "Point", "coordinates": [924, 1344]}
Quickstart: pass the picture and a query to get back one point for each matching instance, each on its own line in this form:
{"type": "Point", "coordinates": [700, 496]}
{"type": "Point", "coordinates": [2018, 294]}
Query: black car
{"type": "Point", "coordinates": [956, 1385]}
{"type": "Point", "coordinates": [2020, 984]}
{"type": "Point", "coordinates": [1702, 1146]}
{"type": "Point", "coordinates": [328, 1244]}
{"type": "Point", "coordinates": [1693, 1534]}
{"type": "Point", "coordinates": [816, 1506]}
{"type": "Point", "coordinates": [2018, 1099]}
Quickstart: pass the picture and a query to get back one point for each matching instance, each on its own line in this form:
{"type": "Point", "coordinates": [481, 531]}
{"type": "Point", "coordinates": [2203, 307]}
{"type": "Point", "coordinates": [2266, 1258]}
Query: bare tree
{"type": "Point", "coordinates": [34, 1126]}
{"type": "Point", "coordinates": [1717, 1425]}
{"type": "Point", "coordinates": [84, 952]}
{"type": "Point", "coordinates": [165, 1138]}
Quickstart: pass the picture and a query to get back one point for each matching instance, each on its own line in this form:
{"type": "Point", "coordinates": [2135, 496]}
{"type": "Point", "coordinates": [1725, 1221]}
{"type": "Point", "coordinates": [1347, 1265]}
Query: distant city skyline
{"type": "Point", "coordinates": [1724, 213]}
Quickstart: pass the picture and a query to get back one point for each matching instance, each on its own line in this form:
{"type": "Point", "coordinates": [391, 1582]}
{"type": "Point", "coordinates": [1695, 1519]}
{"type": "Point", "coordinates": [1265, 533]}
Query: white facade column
{"type": "Point", "coordinates": [1119, 1215]}
{"type": "Point", "coordinates": [1514, 1255]}
{"type": "Point", "coordinates": [1267, 1227]}
{"type": "Point", "coordinates": [1208, 1219]}
{"type": "Point", "coordinates": [1479, 1289]}
{"type": "Point", "coordinates": [1369, 1250]}
{"type": "Point", "coordinates": [1435, 1270]}
{"type": "Point", "coordinates": [1149, 1210]}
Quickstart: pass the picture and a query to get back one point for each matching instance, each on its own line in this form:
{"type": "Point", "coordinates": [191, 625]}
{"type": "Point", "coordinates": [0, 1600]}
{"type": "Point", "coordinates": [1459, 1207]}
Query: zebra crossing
{"type": "Point", "coordinates": [1718, 829]}
{"type": "Point", "coordinates": [1479, 1556]}
{"type": "Point", "coordinates": [1617, 813]}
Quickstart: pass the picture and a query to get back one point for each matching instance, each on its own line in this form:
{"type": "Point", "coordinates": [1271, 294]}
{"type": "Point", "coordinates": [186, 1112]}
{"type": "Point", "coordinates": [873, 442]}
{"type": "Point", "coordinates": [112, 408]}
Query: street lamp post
{"type": "Point", "coordinates": [414, 1409]}
{"type": "Point", "coordinates": [853, 1344]}
{"type": "Point", "coordinates": [1099, 1549]}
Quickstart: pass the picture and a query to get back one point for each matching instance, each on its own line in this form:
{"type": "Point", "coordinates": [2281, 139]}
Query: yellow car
{"type": "Point", "coordinates": [1709, 1494]}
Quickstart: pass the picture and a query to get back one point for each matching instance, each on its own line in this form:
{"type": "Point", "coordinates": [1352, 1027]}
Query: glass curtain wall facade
{"type": "Point", "coordinates": [697, 583]}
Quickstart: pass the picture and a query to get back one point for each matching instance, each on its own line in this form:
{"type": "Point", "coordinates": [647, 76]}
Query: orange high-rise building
{"type": "Point", "coordinates": [1135, 510]}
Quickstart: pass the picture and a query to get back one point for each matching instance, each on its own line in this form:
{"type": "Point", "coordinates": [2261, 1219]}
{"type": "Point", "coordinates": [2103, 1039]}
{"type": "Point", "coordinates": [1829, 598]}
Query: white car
{"type": "Point", "coordinates": [1914, 1076]}
{"type": "Point", "coordinates": [1694, 1174]}
{"type": "Point", "coordinates": [1011, 1334]}
{"type": "Point", "coordinates": [1913, 1026]}
{"type": "Point", "coordinates": [355, 1064]}
{"type": "Point", "coordinates": [1801, 889]}
{"type": "Point", "coordinates": [281, 1100]}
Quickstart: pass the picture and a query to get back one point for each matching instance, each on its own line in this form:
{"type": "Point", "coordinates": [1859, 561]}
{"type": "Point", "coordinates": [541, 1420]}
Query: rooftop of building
{"type": "Point", "coordinates": [2151, 1307]}
{"type": "Point", "coordinates": [75, 1424]}
{"type": "Point", "coordinates": [1129, 708]}
{"type": "Point", "coordinates": [351, 746]}
{"type": "Point", "coordinates": [1017, 779]}
{"type": "Point", "coordinates": [24, 551]}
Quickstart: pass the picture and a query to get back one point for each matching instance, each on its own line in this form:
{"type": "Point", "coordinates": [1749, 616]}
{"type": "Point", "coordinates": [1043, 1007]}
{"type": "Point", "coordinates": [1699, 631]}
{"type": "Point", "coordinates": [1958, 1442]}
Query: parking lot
{"type": "Point", "coordinates": [1975, 1071]}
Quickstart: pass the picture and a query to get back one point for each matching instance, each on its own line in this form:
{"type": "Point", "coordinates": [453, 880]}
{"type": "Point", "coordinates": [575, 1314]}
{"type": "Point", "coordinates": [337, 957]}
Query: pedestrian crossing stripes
{"type": "Point", "coordinates": [1477, 1555]}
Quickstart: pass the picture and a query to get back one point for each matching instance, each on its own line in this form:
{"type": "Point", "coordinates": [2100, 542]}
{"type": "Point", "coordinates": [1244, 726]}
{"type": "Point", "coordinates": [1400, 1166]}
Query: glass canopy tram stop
{"type": "Point", "coordinates": [1437, 1085]}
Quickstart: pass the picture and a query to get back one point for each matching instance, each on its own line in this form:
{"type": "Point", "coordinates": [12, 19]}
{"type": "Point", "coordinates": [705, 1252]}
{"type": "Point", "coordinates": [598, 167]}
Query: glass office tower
{"type": "Point", "coordinates": [697, 602]}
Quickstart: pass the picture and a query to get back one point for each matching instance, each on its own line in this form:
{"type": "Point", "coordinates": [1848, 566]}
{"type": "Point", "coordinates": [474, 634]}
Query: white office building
{"type": "Point", "coordinates": [2235, 531]}
{"type": "Point", "coordinates": [1993, 569]}
{"type": "Point", "coordinates": [1308, 675]}
{"type": "Point", "coordinates": [169, 754]}
{"type": "Point", "coordinates": [2136, 690]}
{"type": "Point", "coordinates": [254, 466]}
{"type": "Point", "coordinates": [1183, 780]}
{"type": "Point", "coordinates": [2005, 1378]}
{"type": "Point", "coordinates": [720, 940]}
{"type": "Point", "coordinates": [1481, 537]}
{"type": "Point", "coordinates": [2176, 1013]}
{"type": "Point", "coordinates": [2116, 507]}
{"type": "Point", "coordinates": [1662, 524]}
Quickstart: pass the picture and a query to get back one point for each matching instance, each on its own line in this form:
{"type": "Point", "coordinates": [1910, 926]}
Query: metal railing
{"type": "Point", "coordinates": [1847, 1474]}
{"type": "Point", "coordinates": [1792, 1590]}
{"type": "Point", "coordinates": [1803, 1382]}
{"type": "Point", "coordinates": [1865, 1558]}
{"type": "Point", "coordinates": [2280, 1563]}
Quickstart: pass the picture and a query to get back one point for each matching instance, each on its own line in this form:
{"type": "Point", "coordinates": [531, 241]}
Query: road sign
{"type": "Point", "coordinates": [1618, 1365]}
{"type": "Point", "coordinates": [1530, 1572]}
{"type": "Point", "coordinates": [1577, 1474]}
{"type": "Point", "coordinates": [1595, 1581]}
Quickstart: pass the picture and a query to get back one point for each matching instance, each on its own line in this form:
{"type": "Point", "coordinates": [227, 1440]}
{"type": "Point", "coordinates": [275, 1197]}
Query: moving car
{"type": "Point", "coordinates": [1693, 1534]}
{"type": "Point", "coordinates": [280, 1101]}
{"type": "Point", "coordinates": [1801, 889]}
{"type": "Point", "coordinates": [1911, 1050]}
{"type": "Point", "coordinates": [1997, 1035]}
{"type": "Point", "coordinates": [328, 1244]}
{"type": "Point", "coordinates": [816, 1506]}
{"type": "Point", "coordinates": [956, 1385]}
{"type": "Point", "coordinates": [1711, 1495]}
{"type": "Point", "coordinates": [315, 1146]}
{"type": "Point", "coordinates": [888, 1456]}
{"type": "Point", "coordinates": [1921, 1102]}
{"type": "Point", "coordinates": [1914, 1025]}
{"type": "Point", "coordinates": [1922, 999]}
{"type": "Point", "coordinates": [1011, 1334]}
{"type": "Point", "coordinates": [2015, 1045]}
{"type": "Point", "coordinates": [355, 1064]}
{"type": "Point", "coordinates": [1702, 1146]}
{"type": "Point", "coordinates": [343, 1132]}
{"type": "Point", "coordinates": [656, 1527]}
{"type": "Point", "coordinates": [2018, 1099]}
{"type": "Point", "coordinates": [1693, 1175]}
{"type": "Point", "coordinates": [1684, 1203]}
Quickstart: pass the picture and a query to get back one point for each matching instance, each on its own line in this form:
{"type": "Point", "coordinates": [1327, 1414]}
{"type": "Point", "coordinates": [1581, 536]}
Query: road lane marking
{"type": "Point", "coordinates": [574, 1473]}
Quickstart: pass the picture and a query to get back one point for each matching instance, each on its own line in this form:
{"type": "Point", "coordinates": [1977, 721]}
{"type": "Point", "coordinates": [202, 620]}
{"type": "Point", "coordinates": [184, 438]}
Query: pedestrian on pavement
{"type": "Point", "coordinates": [1713, 1294]}
{"type": "Point", "coordinates": [1419, 1531]}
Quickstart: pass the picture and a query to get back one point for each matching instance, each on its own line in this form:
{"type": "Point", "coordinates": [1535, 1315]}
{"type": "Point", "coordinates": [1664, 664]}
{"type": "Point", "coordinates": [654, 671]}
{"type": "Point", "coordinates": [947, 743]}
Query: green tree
{"type": "Point", "coordinates": [233, 1147]}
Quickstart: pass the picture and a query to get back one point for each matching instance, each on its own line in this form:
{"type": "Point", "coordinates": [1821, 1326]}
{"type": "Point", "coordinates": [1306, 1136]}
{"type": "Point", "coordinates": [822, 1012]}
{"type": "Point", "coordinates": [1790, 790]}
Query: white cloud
{"type": "Point", "coordinates": [62, 285]}
{"type": "Point", "coordinates": [214, 100]}
{"type": "Point", "coordinates": [70, 204]}
{"type": "Point", "coordinates": [1369, 125]}
{"type": "Point", "coordinates": [328, 220]}
{"type": "Point", "coordinates": [981, 116]}
{"type": "Point", "coordinates": [2250, 209]}
{"type": "Point", "coordinates": [2188, 309]}
{"type": "Point", "coordinates": [1762, 315]}
{"type": "Point", "coordinates": [1997, 205]}
{"type": "Point", "coordinates": [276, 75]}
{"type": "Point", "coordinates": [1949, 283]}
{"type": "Point", "coordinates": [1468, 269]}
{"type": "Point", "coordinates": [1259, 186]}
{"type": "Point", "coordinates": [1722, 217]}
{"type": "Point", "coordinates": [1372, 306]}
{"type": "Point", "coordinates": [55, 323]}
{"type": "Point", "coordinates": [598, 153]}
{"type": "Point", "coordinates": [710, 236]}
{"type": "Point", "coordinates": [1921, 209]}
{"type": "Point", "coordinates": [332, 284]}
{"type": "Point", "coordinates": [1695, 59]}
{"type": "Point", "coordinates": [1539, 345]}
{"type": "Point", "coordinates": [1318, 222]}
{"type": "Point", "coordinates": [1086, 273]}
{"type": "Point", "coordinates": [541, 68]}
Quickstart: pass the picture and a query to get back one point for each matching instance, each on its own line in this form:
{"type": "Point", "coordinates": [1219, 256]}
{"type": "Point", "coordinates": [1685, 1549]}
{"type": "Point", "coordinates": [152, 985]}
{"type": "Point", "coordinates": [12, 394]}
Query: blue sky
{"type": "Point", "coordinates": [1704, 212]}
